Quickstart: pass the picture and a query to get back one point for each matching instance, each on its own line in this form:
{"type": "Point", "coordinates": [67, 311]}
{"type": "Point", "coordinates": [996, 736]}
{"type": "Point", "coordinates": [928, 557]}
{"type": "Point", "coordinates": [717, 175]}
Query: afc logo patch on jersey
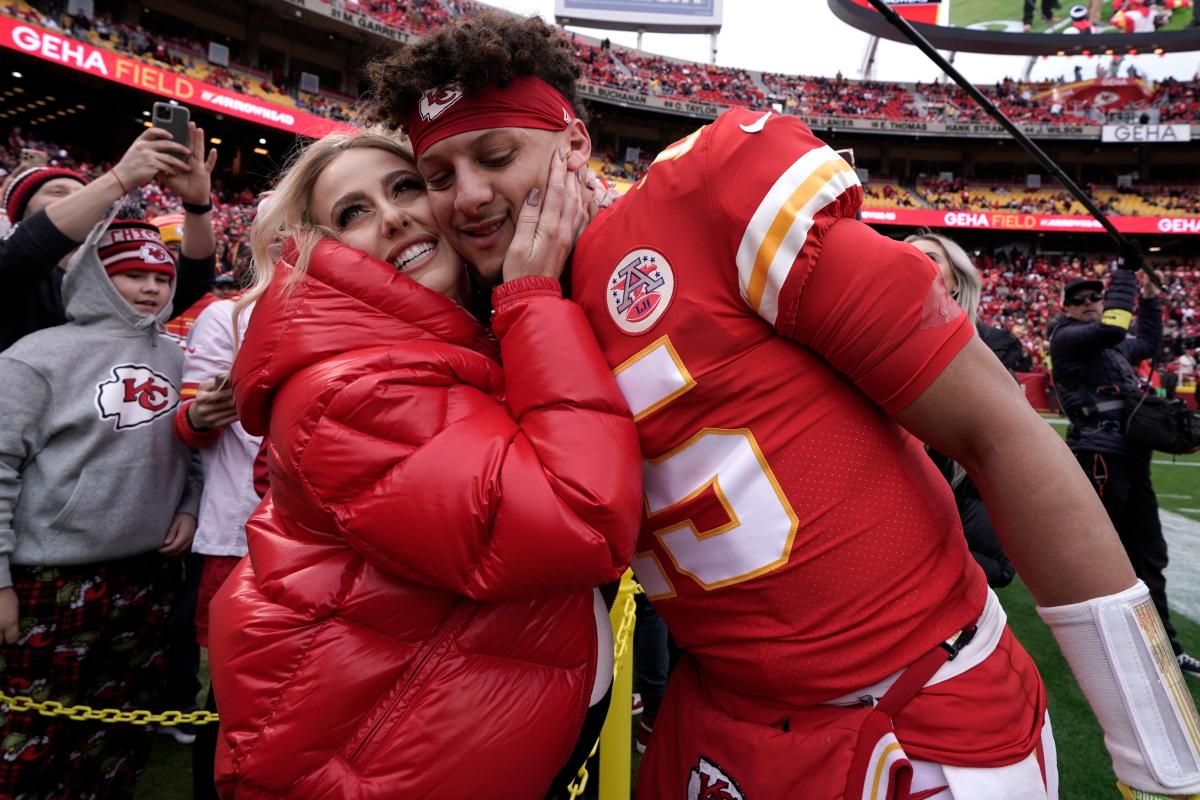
{"type": "Point", "coordinates": [707, 781]}
{"type": "Point", "coordinates": [135, 396]}
{"type": "Point", "coordinates": [640, 290]}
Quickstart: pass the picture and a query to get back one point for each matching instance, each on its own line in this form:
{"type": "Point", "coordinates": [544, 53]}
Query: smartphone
{"type": "Point", "coordinates": [32, 158]}
{"type": "Point", "coordinates": [847, 155]}
{"type": "Point", "coordinates": [174, 120]}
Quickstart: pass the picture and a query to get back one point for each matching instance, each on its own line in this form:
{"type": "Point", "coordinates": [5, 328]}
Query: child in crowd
{"type": "Point", "coordinates": [207, 421]}
{"type": "Point", "coordinates": [97, 498]}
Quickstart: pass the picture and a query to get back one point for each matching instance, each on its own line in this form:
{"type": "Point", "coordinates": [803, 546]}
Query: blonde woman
{"type": "Point", "coordinates": [417, 615]}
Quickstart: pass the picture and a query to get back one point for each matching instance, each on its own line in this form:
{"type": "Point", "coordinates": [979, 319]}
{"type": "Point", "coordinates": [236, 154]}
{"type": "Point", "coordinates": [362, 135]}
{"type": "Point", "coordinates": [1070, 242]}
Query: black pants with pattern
{"type": "Point", "coordinates": [1125, 489]}
{"type": "Point", "coordinates": [91, 634]}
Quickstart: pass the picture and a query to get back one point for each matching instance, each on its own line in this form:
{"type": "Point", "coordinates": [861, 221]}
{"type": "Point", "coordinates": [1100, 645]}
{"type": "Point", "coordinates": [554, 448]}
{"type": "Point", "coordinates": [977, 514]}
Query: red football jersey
{"type": "Point", "coordinates": [797, 541]}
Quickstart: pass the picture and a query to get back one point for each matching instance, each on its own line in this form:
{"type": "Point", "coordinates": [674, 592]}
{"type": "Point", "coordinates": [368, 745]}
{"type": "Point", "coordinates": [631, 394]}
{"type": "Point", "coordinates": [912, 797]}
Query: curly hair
{"type": "Point", "coordinates": [489, 48]}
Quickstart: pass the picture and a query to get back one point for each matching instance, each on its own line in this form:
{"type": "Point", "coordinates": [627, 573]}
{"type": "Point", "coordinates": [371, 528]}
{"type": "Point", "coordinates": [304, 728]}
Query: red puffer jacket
{"type": "Point", "coordinates": [415, 617]}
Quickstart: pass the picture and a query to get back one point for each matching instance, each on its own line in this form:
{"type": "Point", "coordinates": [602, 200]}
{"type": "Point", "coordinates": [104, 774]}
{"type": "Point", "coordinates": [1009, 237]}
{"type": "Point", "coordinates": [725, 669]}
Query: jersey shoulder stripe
{"type": "Point", "coordinates": [778, 229]}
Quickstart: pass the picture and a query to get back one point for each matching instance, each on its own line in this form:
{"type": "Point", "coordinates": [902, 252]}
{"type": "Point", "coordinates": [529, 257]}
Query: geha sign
{"type": "Point", "coordinates": [1133, 134]}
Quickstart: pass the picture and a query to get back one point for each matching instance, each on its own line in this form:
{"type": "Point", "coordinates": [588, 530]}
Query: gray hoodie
{"type": "Point", "coordinates": [90, 467]}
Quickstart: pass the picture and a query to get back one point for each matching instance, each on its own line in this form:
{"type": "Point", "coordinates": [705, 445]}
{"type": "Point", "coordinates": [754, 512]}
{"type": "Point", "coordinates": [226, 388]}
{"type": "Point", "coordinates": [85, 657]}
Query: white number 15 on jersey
{"type": "Point", "coordinates": [715, 466]}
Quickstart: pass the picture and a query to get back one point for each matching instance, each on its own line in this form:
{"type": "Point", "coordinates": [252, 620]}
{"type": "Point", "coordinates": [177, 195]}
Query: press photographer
{"type": "Point", "coordinates": [1093, 350]}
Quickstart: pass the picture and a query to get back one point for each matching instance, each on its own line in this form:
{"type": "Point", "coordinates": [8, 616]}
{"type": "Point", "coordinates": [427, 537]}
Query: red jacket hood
{"type": "Point", "coordinates": [346, 301]}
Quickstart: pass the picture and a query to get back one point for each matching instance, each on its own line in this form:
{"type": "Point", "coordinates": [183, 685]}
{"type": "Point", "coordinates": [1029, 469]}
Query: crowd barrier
{"type": "Point", "coordinates": [614, 744]}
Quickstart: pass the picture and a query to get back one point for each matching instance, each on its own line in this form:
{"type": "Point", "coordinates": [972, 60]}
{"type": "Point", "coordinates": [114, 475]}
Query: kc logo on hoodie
{"type": "Point", "coordinates": [135, 395]}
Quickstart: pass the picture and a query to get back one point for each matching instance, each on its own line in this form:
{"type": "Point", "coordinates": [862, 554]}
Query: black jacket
{"type": "Point", "coordinates": [1007, 347]}
{"type": "Point", "coordinates": [1093, 365]}
{"type": "Point", "coordinates": [31, 298]}
{"type": "Point", "coordinates": [977, 526]}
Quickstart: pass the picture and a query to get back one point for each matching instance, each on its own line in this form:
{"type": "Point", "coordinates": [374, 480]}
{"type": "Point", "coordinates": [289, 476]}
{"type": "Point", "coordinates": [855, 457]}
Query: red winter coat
{"type": "Point", "coordinates": [415, 617]}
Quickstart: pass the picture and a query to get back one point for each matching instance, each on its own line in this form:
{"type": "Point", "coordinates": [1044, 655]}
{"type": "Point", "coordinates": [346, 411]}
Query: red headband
{"type": "Point", "coordinates": [527, 102]}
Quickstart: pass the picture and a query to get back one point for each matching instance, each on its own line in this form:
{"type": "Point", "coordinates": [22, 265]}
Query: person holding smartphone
{"type": "Point", "coordinates": [53, 209]}
{"type": "Point", "coordinates": [207, 422]}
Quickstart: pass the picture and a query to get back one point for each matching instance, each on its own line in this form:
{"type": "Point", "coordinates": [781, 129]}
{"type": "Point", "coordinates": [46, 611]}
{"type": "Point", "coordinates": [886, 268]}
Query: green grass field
{"type": "Point", "coordinates": [1003, 14]}
{"type": "Point", "coordinates": [1084, 767]}
{"type": "Point", "coordinates": [1176, 478]}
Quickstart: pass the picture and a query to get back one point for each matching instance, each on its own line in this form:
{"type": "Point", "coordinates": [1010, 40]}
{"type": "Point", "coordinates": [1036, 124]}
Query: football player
{"type": "Point", "coordinates": [783, 361]}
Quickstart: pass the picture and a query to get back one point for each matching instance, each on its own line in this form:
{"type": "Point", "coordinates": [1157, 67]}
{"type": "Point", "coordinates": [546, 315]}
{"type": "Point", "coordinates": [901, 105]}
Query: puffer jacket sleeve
{"type": "Point", "coordinates": [536, 494]}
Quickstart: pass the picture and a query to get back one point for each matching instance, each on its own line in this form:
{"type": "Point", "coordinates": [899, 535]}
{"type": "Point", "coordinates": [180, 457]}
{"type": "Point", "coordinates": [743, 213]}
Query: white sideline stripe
{"type": "Point", "coordinates": [1183, 569]}
{"type": "Point", "coordinates": [1166, 463]}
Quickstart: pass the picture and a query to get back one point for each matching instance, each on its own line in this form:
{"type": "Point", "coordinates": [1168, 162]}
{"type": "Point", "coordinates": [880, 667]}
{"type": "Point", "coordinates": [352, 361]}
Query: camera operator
{"type": "Point", "coordinates": [53, 209]}
{"type": "Point", "coordinates": [1093, 349]}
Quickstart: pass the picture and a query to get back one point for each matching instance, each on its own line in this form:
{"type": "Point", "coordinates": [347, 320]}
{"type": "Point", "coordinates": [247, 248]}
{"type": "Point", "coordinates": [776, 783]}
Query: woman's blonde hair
{"type": "Point", "coordinates": [970, 286]}
{"type": "Point", "coordinates": [284, 214]}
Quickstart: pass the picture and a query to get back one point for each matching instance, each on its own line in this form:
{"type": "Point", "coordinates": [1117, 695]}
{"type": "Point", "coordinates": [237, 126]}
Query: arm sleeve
{"type": "Point", "coordinates": [537, 495]}
{"type": "Point", "coordinates": [878, 312]}
{"type": "Point", "coordinates": [875, 309]}
{"type": "Point", "coordinates": [1072, 343]}
{"type": "Point", "coordinates": [24, 397]}
{"type": "Point", "coordinates": [1147, 332]}
{"type": "Point", "coordinates": [1119, 299]}
{"type": "Point", "coordinates": [189, 435]}
{"type": "Point", "coordinates": [31, 250]}
{"type": "Point", "coordinates": [194, 277]}
{"type": "Point", "coordinates": [209, 353]}
{"type": "Point", "coordinates": [193, 487]}
{"type": "Point", "coordinates": [789, 190]}
{"type": "Point", "coordinates": [261, 469]}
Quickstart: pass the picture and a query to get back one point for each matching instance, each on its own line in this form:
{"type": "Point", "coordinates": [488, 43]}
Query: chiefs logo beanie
{"type": "Point", "coordinates": [134, 244]}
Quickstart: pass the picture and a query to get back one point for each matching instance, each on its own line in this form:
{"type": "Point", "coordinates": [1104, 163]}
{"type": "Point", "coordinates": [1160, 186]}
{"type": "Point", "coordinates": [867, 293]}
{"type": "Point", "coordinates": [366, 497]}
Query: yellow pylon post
{"type": "Point", "coordinates": [616, 739]}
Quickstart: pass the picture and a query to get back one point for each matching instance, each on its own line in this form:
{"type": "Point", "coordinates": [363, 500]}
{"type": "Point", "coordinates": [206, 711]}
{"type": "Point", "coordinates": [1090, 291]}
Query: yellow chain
{"type": "Point", "coordinates": [623, 638]}
{"type": "Point", "coordinates": [53, 708]}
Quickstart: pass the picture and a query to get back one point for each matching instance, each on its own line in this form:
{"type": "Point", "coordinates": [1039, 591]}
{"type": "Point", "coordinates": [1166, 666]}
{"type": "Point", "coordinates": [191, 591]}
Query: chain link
{"type": "Point", "coordinates": [623, 638]}
{"type": "Point", "coordinates": [81, 713]}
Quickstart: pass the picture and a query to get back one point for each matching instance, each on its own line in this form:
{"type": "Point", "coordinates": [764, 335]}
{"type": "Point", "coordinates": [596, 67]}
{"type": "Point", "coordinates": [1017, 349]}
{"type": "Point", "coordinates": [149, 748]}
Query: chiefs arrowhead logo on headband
{"type": "Point", "coordinates": [435, 101]}
{"type": "Point", "coordinates": [525, 102]}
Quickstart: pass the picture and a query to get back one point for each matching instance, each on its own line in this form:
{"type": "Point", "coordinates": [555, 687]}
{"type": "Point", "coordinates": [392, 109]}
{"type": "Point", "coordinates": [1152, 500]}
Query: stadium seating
{"type": "Point", "coordinates": [1021, 295]}
{"type": "Point", "coordinates": [626, 69]}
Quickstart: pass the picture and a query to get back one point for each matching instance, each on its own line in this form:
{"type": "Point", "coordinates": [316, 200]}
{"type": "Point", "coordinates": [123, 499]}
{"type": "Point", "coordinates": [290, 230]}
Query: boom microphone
{"type": "Point", "coordinates": [1131, 253]}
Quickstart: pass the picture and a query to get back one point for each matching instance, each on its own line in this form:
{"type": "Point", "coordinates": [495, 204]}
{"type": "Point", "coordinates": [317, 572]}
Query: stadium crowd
{"type": "Point", "coordinates": [99, 287]}
{"type": "Point", "coordinates": [619, 67]}
{"type": "Point", "coordinates": [183, 56]}
{"type": "Point", "coordinates": [1021, 292]}
{"type": "Point", "coordinates": [232, 213]}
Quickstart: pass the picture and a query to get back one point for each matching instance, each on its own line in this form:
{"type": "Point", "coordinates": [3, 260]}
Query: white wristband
{"type": "Point", "coordinates": [1121, 657]}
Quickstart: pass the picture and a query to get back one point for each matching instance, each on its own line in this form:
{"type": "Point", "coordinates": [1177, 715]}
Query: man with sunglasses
{"type": "Point", "coordinates": [1094, 349]}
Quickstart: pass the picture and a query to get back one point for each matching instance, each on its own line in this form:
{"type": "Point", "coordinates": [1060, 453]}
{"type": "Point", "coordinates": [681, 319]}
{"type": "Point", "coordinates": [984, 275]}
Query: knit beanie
{"type": "Point", "coordinates": [134, 244]}
{"type": "Point", "coordinates": [24, 186]}
{"type": "Point", "coordinates": [170, 226]}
